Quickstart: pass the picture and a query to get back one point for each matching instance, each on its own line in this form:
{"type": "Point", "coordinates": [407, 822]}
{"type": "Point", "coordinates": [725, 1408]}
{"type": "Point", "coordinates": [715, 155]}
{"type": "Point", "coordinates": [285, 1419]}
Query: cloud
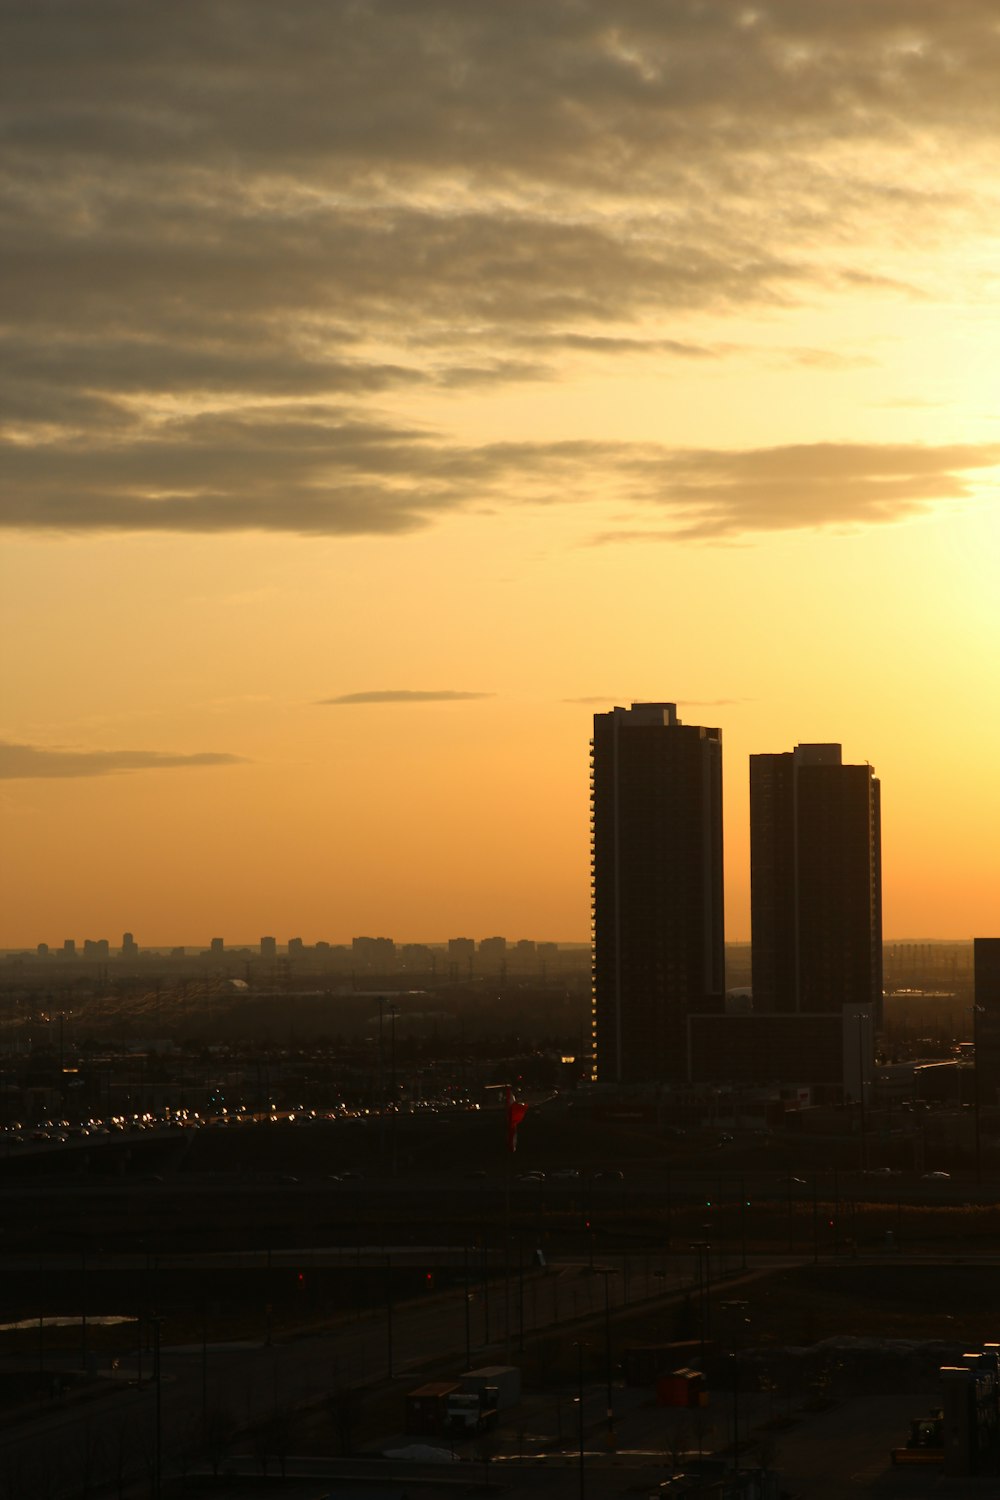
{"type": "Point", "coordinates": [710, 702]}
{"type": "Point", "coordinates": [538, 88]}
{"type": "Point", "coordinates": [706, 494]}
{"type": "Point", "coordinates": [403, 695]}
{"type": "Point", "coordinates": [30, 762]}
{"type": "Point", "coordinates": [827, 359]}
{"type": "Point", "coordinates": [611, 698]}
{"type": "Point", "coordinates": [232, 254]}
{"type": "Point", "coordinates": [330, 473]}
{"type": "Point", "coordinates": [614, 344]}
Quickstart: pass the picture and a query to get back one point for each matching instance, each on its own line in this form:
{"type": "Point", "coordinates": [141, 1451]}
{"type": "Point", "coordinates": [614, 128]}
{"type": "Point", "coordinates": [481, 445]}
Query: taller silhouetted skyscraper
{"type": "Point", "coordinates": [656, 848]}
{"type": "Point", "coordinates": [816, 882]}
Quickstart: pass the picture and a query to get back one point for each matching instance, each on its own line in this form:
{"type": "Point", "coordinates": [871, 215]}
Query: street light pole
{"type": "Point", "coordinates": [976, 1012]}
{"type": "Point", "coordinates": [388, 1309]}
{"type": "Point", "coordinates": [468, 1329]}
{"type": "Point", "coordinates": [579, 1413]}
{"type": "Point", "coordinates": [607, 1359]}
{"type": "Point", "coordinates": [736, 1411]}
{"type": "Point", "coordinates": [381, 1080]}
{"type": "Point", "coordinates": [739, 1308]}
{"type": "Point", "coordinates": [607, 1272]}
{"type": "Point", "coordinates": [702, 1249]}
{"type": "Point", "coordinates": [158, 1427]}
{"type": "Point", "coordinates": [862, 1018]}
{"type": "Point", "coordinates": [392, 1081]}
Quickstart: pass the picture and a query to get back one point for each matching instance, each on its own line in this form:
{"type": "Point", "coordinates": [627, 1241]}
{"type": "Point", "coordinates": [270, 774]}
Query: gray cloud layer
{"type": "Point", "coordinates": [403, 695]}
{"type": "Point", "coordinates": [233, 240]}
{"type": "Point", "coordinates": [32, 762]}
{"type": "Point", "coordinates": [304, 471]}
{"type": "Point", "coordinates": [716, 494]}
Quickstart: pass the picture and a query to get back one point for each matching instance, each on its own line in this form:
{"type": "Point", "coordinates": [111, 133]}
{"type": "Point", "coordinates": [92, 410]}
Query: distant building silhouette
{"type": "Point", "coordinates": [493, 955]}
{"type": "Point", "coordinates": [815, 883]}
{"type": "Point", "coordinates": [656, 813]}
{"type": "Point", "coordinates": [268, 949]}
{"type": "Point", "coordinates": [375, 954]}
{"type": "Point", "coordinates": [416, 957]}
{"type": "Point", "coordinates": [69, 948]}
{"type": "Point", "coordinates": [547, 955]}
{"type": "Point", "coordinates": [130, 948]}
{"type": "Point", "coordinates": [217, 947]}
{"type": "Point", "coordinates": [986, 1022]}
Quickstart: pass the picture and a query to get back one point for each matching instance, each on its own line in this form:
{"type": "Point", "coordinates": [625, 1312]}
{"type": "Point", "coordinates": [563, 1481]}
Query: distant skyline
{"type": "Point", "coordinates": [196, 945]}
{"type": "Point", "coordinates": [386, 388]}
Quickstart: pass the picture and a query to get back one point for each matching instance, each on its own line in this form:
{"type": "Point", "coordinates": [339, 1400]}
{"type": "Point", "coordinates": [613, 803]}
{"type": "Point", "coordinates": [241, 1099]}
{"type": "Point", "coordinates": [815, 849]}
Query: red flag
{"type": "Point", "coordinates": [516, 1112]}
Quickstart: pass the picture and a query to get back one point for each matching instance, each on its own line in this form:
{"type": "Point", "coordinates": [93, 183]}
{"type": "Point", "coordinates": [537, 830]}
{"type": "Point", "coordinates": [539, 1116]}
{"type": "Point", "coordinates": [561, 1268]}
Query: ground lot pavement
{"type": "Point", "coordinates": [832, 1454]}
{"type": "Point", "coordinates": [844, 1452]}
{"type": "Point", "coordinates": [839, 1453]}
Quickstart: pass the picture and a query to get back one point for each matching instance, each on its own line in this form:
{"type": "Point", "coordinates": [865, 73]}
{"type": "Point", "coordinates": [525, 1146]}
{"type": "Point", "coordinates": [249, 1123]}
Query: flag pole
{"type": "Point", "coordinates": [514, 1113]}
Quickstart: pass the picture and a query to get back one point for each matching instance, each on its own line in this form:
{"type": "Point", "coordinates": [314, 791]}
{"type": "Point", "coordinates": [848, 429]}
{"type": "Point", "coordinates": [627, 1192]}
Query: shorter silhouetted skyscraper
{"type": "Point", "coordinates": [816, 882]}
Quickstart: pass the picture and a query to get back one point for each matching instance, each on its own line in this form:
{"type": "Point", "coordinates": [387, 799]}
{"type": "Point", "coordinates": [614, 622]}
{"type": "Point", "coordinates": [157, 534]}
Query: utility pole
{"type": "Point", "coordinates": [157, 1321]}
{"type": "Point", "coordinates": [579, 1416]}
{"type": "Point", "coordinates": [468, 1312]}
{"type": "Point", "coordinates": [739, 1327]}
{"type": "Point", "coordinates": [702, 1251]}
{"type": "Point", "coordinates": [392, 1082]}
{"type": "Point", "coordinates": [388, 1307]}
{"type": "Point", "coordinates": [862, 1018]}
{"type": "Point", "coordinates": [976, 1012]}
{"type": "Point", "coordinates": [381, 1081]}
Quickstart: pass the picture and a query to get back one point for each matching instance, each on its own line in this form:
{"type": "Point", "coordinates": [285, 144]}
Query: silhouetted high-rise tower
{"type": "Point", "coordinates": [816, 882]}
{"type": "Point", "coordinates": [986, 1023]}
{"type": "Point", "coordinates": [656, 840]}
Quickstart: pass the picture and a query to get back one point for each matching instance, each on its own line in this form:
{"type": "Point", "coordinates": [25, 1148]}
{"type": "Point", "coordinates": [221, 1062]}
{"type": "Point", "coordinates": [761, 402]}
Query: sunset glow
{"type": "Point", "coordinates": [386, 388]}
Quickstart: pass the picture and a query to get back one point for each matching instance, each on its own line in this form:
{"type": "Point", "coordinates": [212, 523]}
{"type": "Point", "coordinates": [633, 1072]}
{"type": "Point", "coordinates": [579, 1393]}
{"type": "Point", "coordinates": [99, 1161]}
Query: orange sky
{"type": "Point", "coordinates": [386, 389]}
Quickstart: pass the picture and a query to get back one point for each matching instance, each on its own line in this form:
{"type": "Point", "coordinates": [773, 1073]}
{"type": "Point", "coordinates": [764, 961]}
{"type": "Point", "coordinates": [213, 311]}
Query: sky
{"type": "Point", "coordinates": [386, 386]}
